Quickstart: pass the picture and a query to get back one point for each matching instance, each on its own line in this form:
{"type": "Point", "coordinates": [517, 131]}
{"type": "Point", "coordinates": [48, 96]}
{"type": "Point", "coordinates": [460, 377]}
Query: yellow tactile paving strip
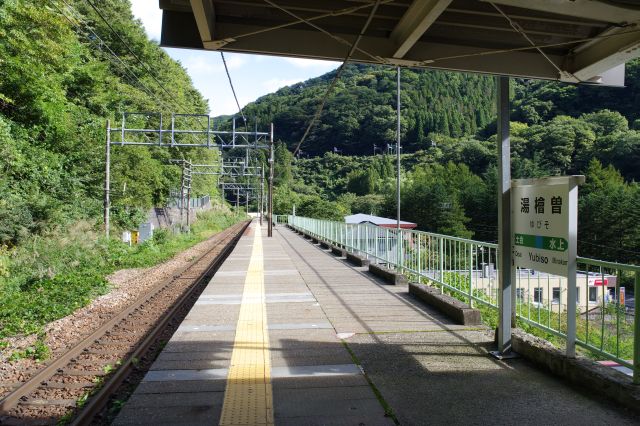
{"type": "Point", "coordinates": [248, 397]}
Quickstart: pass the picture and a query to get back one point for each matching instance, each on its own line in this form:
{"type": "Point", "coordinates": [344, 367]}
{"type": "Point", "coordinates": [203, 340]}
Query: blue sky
{"type": "Point", "coordinates": [253, 75]}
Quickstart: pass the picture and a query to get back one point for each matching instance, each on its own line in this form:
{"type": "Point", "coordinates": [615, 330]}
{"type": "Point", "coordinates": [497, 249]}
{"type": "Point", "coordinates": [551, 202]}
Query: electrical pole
{"type": "Point", "coordinates": [261, 193]}
{"type": "Point", "coordinates": [182, 197]}
{"type": "Point", "coordinates": [187, 169]}
{"type": "Point", "coordinates": [270, 230]}
{"type": "Point", "coordinates": [107, 180]}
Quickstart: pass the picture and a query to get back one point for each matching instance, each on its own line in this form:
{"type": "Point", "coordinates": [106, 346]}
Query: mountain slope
{"type": "Point", "coordinates": [361, 110]}
{"type": "Point", "coordinates": [360, 113]}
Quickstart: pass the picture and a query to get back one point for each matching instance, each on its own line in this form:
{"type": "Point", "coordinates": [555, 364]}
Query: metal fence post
{"type": "Point", "coordinates": [386, 245]}
{"type": "Point", "coordinates": [419, 258]}
{"type": "Point", "coordinates": [471, 275]}
{"type": "Point", "coordinates": [400, 259]}
{"type": "Point", "coordinates": [366, 240]}
{"type": "Point", "coordinates": [441, 258]}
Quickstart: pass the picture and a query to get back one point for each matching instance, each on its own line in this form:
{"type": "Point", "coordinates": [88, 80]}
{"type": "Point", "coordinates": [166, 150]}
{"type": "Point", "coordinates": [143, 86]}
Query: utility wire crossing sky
{"type": "Point", "coordinates": [253, 75]}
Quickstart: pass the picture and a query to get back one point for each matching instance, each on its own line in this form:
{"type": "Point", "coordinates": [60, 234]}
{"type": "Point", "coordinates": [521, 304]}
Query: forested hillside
{"type": "Point", "coordinates": [361, 111]}
{"type": "Point", "coordinates": [451, 188]}
{"type": "Point", "coordinates": [64, 71]}
{"type": "Point", "coordinates": [449, 161]}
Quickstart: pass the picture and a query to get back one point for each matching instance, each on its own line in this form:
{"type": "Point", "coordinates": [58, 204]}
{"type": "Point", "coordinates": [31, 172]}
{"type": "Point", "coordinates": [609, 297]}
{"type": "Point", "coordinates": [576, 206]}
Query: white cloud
{"type": "Point", "coordinates": [150, 15]}
{"type": "Point", "coordinates": [311, 63]}
{"type": "Point", "coordinates": [205, 63]}
{"type": "Point", "coordinates": [200, 63]}
{"type": "Point", "coordinates": [276, 83]}
{"type": "Point", "coordinates": [234, 61]}
{"type": "Point", "coordinates": [221, 106]}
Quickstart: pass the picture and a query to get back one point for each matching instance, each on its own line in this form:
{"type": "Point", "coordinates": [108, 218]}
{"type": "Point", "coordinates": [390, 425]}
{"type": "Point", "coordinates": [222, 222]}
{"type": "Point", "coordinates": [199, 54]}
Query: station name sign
{"type": "Point", "coordinates": [544, 214]}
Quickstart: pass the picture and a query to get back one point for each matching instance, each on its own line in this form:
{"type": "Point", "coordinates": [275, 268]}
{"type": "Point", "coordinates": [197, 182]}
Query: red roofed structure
{"type": "Point", "coordinates": [382, 222]}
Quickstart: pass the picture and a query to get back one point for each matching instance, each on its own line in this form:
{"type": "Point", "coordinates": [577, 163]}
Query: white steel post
{"type": "Point", "coordinates": [505, 260]}
{"type": "Point", "coordinates": [107, 180]}
{"type": "Point", "coordinates": [261, 193]}
{"type": "Point", "coordinates": [441, 258]}
{"type": "Point", "coordinates": [470, 275]}
{"type": "Point", "coordinates": [572, 269]}
{"type": "Point", "coordinates": [419, 258]}
{"type": "Point", "coordinates": [271, 160]}
{"type": "Point", "coordinates": [399, 237]}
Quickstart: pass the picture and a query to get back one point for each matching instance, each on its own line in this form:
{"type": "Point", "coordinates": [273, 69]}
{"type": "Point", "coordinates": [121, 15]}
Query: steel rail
{"type": "Point", "coordinates": [12, 399]}
{"type": "Point", "coordinates": [98, 400]}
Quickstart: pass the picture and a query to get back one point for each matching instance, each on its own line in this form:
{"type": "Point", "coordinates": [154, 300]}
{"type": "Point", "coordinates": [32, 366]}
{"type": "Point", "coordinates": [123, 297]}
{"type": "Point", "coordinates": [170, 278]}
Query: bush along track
{"type": "Point", "coordinates": [51, 277]}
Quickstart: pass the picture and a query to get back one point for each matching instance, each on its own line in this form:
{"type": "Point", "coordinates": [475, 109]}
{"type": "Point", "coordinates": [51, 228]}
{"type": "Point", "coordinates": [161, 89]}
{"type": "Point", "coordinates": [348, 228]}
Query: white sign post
{"type": "Point", "coordinates": [544, 233]}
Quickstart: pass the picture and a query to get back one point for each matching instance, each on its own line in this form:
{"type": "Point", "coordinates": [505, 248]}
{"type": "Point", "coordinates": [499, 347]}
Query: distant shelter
{"type": "Point", "coordinates": [380, 241]}
{"type": "Point", "coordinates": [382, 222]}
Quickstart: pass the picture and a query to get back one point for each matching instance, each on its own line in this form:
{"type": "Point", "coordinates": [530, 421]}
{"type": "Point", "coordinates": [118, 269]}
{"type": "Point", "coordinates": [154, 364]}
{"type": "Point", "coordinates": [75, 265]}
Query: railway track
{"type": "Point", "coordinates": [76, 385]}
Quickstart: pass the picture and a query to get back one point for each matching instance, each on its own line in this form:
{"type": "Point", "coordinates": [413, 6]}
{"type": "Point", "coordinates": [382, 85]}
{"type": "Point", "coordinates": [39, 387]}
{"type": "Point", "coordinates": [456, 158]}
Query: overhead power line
{"type": "Point", "coordinates": [127, 69]}
{"type": "Point", "coordinates": [126, 45]}
{"type": "Point", "coordinates": [233, 90]}
{"type": "Point", "coordinates": [171, 104]}
{"type": "Point", "coordinates": [353, 48]}
{"type": "Point", "coordinates": [517, 28]}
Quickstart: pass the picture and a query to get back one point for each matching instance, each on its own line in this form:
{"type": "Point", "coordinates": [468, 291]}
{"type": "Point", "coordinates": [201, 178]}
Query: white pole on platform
{"type": "Point", "coordinates": [506, 280]}
{"type": "Point", "coordinates": [398, 236]}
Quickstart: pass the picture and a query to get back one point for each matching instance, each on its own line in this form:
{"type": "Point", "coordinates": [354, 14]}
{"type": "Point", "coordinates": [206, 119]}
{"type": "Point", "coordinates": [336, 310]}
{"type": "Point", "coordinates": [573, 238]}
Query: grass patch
{"type": "Point", "coordinates": [609, 329]}
{"type": "Point", "coordinates": [51, 276]}
{"type": "Point", "coordinates": [388, 411]}
{"type": "Point", "coordinates": [39, 351]}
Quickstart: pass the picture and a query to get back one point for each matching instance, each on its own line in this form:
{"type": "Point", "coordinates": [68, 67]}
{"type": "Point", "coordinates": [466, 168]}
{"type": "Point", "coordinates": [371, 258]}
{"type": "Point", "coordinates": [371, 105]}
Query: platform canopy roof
{"type": "Point", "coordinates": [567, 40]}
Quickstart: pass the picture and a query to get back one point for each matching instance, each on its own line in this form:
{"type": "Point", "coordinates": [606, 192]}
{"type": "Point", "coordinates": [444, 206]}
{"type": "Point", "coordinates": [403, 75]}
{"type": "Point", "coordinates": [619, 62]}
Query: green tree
{"type": "Point", "coordinates": [316, 207]}
{"type": "Point", "coordinates": [608, 215]}
{"type": "Point", "coordinates": [282, 172]}
{"type": "Point", "coordinates": [59, 83]}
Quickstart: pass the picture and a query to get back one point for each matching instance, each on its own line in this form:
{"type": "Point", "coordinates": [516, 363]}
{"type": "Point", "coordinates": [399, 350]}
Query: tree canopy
{"type": "Point", "coordinates": [64, 72]}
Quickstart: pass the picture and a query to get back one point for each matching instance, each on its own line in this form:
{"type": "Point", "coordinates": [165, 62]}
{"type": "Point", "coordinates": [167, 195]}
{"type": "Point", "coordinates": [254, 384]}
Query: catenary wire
{"type": "Point", "coordinates": [352, 49]}
{"type": "Point", "coordinates": [517, 28]}
{"type": "Point", "coordinates": [333, 36]}
{"type": "Point", "coordinates": [233, 90]}
{"type": "Point", "coordinates": [338, 12]}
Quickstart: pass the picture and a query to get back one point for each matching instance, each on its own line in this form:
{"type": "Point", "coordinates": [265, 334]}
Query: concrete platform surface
{"type": "Point", "coordinates": [329, 323]}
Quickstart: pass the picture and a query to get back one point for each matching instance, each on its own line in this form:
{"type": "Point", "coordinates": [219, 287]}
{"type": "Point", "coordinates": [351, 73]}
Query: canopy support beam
{"type": "Point", "coordinates": [415, 22]}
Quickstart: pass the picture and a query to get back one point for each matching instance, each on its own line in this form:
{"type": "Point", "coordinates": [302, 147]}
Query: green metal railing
{"type": "Point", "coordinates": [468, 270]}
{"type": "Point", "coordinates": [280, 219]}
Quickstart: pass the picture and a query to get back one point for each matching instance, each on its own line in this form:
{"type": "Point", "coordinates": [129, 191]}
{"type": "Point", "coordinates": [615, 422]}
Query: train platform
{"type": "Point", "coordinates": [286, 333]}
